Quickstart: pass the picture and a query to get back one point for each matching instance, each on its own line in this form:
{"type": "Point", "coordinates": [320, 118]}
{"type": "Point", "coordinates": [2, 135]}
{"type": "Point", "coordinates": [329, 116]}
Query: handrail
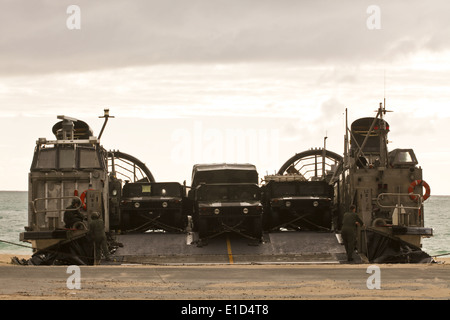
{"type": "Point", "coordinates": [398, 204]}
{"type": "Point", "coordinates": [33, 203]}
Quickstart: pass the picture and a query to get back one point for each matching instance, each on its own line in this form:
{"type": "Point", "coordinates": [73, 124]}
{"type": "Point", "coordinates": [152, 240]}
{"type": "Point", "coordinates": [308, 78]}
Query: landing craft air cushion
{"type": "Point", "coordinates": [74, 168]}
{"type": "Point", "coordinates": [293, 217]}
{"type": "Point", "coordinates": [387, 189]}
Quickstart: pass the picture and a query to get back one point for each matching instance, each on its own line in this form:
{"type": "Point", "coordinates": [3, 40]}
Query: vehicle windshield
{"type": "Point", "coordinates": [302, 189]}
{"type": "Point", "coordinates": [228, 193]}
{"type": "Point", "coordinates": [225, 176]}
{"type": "Point", "coordinates": [152, 189]}
{"type": "Point", "coordinates": [284, 189]}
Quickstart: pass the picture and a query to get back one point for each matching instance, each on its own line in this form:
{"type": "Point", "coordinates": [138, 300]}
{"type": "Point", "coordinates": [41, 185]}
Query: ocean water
{"type": "Point", "coordinates": [437, 216]}
{"type": "Point", "coordinates": [13, 219]}
{"type": "Point", "coordinates": [14, 213]}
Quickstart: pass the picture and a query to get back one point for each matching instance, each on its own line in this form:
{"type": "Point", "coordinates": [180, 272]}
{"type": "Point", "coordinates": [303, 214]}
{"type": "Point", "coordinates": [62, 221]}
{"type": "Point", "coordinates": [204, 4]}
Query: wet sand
{"type": "Point", "coordinates": [227, 282]}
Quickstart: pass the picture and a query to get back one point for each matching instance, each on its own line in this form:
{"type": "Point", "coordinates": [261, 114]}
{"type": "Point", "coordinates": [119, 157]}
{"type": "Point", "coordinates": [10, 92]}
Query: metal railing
{"type": "Point", "coordinates": [46, 210]}
{"type": "Point", "coordinates": [399, 204]}
{"type": "Point", "coordinates": [402, 216]}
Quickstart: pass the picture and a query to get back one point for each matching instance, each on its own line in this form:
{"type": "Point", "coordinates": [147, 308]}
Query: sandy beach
{"type": "Point", "coordinates": [6, 258]}
{"type": "Point", "coordinates": [227, 282]}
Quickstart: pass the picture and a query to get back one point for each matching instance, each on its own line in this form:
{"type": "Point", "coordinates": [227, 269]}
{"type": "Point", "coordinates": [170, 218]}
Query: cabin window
{"type": "Point", "coordinates": [404, 156]}
{"type": "Point", "coordinates": [89, 159]}
{"type": "Point", "coordinates": [67, 158]}
{"type": "Point", "coordinates": [312, 190]}
{"type": "Point", "coordinates": [46, 159]}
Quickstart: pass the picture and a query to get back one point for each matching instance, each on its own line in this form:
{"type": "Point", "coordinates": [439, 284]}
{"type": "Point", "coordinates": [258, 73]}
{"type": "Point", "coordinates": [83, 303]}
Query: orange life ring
{"type": "Point", "coordinates": [82, 198]}
{"type": "Point", "coordinates": [419, 183]}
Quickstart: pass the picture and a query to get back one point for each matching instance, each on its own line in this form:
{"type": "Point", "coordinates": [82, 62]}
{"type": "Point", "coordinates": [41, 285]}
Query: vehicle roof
{"type": "Point", "coordinates": [214, 172]}
{"type": "Point", "coordinates": [223, 166]}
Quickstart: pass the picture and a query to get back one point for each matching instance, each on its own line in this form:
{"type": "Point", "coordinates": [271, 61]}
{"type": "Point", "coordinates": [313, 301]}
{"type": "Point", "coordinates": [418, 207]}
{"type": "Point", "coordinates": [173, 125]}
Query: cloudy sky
{"type": "Point", "coordinates": [192, 81]}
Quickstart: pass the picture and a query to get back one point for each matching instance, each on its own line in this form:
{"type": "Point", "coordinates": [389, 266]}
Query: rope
{"type": "Point", "coordinates": [16, 244]}
{"type": "Point", "coordinates": [442, 254]}
{"type": "Point", "coordinates": [67, 254]}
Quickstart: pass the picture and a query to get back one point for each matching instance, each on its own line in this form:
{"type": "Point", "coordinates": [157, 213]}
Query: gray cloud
{"type": "Point", "coordinates": [34, 36]}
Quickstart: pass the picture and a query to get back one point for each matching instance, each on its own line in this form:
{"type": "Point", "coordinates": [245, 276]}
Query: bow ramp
{"type": "Point", "coordinates": [184, 248]}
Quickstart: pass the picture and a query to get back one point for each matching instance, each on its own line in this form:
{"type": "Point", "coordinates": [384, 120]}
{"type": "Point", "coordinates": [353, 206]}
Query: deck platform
{"type": "Point", "coordinates": [229, 248]}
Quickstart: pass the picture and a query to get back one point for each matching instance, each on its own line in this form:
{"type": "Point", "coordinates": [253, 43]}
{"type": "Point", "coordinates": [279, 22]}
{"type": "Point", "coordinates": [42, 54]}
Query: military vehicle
{"type": "Point", "coordinates": [156, 206]}
{"type": "Point", "coordinates": [298, 204]}
{"type": "Point", "coordinates": [226, 198]}
{"type": "Point", "coordinates": [300, 195]}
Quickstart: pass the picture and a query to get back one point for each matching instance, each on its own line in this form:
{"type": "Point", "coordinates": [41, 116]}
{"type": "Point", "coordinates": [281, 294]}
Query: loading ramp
{"type": "Point", "coordinates": [183, 249]}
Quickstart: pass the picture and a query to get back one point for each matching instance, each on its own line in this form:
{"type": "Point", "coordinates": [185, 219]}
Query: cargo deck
{"type": "Point", "coordinates": [276, 248]}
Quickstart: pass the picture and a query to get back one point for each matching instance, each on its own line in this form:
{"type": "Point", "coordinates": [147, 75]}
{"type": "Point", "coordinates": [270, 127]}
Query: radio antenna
{"type": "Point", "coordinates": [384, 94]}
{"type": "Point", "coordinates": [106, 116]}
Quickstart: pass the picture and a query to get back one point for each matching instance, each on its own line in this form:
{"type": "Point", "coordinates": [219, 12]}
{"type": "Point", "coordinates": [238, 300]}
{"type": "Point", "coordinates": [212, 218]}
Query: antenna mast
{"type": "Point", "coordinates": [384, 93]}
{"type": "Point", "coordinates": [106, 116]}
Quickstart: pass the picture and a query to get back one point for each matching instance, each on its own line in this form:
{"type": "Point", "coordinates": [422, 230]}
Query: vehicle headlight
{"type": "Point", "coordinates": [137, 204]}
{"type": "Point", "coordinates": [245, 210]}
{"type": "Point", "coordinates": [216, 211]}
{"type": "Point", "coordinates": [316, 203]}
{"type": "Point", "coordinates": [288, 204]}
{"type": "Point", "coordinates": [164, 204]}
